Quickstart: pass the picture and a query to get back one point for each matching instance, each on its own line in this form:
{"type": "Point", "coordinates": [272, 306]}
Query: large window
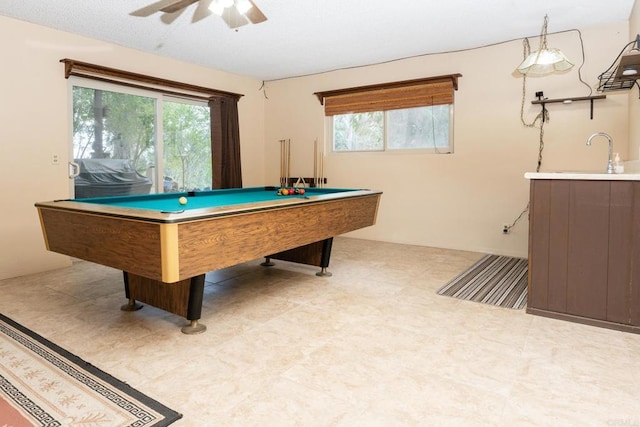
{"type": "Point", "coordinates": [129, 141]}
{"type": "Point", "coordinates": [136, 133]}
{"type": "Point", "coordinates": [406, 115]}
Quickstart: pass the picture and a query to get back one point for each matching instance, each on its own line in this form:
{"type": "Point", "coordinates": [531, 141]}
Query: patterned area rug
{"type": "Point", "coordinates": [495, 280]}
{"type": "Point", "coordinates": [42, 384]}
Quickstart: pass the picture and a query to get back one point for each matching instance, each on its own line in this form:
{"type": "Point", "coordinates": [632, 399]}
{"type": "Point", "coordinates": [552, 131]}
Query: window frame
{"type": "Point", "coordinates": [384, 97]}
{"type": "Point", "coordinates": [223, 107]}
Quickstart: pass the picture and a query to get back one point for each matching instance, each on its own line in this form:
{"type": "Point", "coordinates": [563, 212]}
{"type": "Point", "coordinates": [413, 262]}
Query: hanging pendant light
{"type": "Point", "coordinates": [544, 60]}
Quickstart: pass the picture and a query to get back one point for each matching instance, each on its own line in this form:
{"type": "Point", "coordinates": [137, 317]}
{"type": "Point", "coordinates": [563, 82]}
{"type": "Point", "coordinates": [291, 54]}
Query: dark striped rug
{"type": "Point", "coordinates": [496, 280]}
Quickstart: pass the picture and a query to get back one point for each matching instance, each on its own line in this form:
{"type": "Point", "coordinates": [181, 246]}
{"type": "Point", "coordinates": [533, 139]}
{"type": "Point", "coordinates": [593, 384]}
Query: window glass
{"type": "Point", "coordinates": [358, 132]}
{"type": "Point", "coordinates": [116, 142]}
{"type": "Point", "coordinates": [187, 147]}
{"type": "Point", "coordinates": [111, 125]}
{"type": "Point", "coordinates": [421, 128]}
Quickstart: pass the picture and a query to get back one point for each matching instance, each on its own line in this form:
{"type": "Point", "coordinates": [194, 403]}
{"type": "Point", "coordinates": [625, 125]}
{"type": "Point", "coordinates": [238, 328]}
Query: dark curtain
{"type": "Point", "coordinates": [225, 143]}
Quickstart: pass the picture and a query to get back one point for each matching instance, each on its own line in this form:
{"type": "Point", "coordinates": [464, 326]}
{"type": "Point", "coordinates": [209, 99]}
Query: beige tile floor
{"type": "Point", "coordinates": [373, 345]}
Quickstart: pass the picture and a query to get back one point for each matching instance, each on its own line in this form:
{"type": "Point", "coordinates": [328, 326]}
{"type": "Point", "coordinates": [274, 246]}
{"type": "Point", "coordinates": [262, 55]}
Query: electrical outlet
{"type": "Point", "coordinates": [55, 159]}
{"type": "Point", "coordinates": [506, 229]}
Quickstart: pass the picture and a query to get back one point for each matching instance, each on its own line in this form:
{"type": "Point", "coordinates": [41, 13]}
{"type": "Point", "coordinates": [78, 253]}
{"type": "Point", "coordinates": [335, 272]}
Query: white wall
{"type": "Point", "coordinates": [462, 200]}
{"type": "Point", "coordinates": [34, 125]}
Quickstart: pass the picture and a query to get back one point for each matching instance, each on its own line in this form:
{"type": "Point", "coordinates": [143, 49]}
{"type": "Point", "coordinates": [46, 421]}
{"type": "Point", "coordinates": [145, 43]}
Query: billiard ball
{"type": "Point", "coordinates": [301, 191]}
{"type": "Point", "coordinates": [285, 192]}
{"type": "Point", "coordinates": [182, 200]}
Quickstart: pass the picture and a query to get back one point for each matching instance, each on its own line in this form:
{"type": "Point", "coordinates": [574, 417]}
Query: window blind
{"type": "Point", "coordinates": [390, 96]}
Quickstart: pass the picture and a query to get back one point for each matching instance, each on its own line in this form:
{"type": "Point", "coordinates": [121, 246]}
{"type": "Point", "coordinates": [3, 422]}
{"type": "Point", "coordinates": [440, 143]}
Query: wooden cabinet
{"type": "Point", "coordinates": [584, 251]}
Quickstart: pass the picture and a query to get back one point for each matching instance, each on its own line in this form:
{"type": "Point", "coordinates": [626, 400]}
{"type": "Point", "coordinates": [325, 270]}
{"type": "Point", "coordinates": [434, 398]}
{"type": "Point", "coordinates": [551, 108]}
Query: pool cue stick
{"type": "Point", "coordinates": [288, 161]}
{"type": "Point", "coordinates": [319, 182]}
{"type": "Point", "coordinates": [323, 159]}
{"type": "Point", "coordinates": [284, 162]}
{"type": "Point", "coordinates": [282, 157]}
{"type": "Point", "coordinates": [321, 168]}
{"type": "Point", "coordinates": [280, 162]}
{"type": "Point", "coordinates": [315, 162]}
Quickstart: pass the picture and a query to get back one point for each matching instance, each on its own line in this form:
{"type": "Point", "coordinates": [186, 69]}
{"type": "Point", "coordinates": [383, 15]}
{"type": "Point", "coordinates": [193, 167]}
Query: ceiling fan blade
{"type": "Point", "coordinates": [153, 8]}
{"type": "Point", "coordinates": [202, 11]}
{"type": "Point", "coordinates": [233, 18]}
{"type": "Point", "coordinates": [168, 18]}
{"type": "Point", "coordinates": [254, 14]}
{"type": "Point", "coordinates": [177, 5]}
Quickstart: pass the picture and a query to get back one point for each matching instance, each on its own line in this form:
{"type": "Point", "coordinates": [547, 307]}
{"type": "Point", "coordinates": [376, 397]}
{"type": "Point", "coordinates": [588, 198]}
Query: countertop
{"type": "Point", "coordinates": [588, 176]}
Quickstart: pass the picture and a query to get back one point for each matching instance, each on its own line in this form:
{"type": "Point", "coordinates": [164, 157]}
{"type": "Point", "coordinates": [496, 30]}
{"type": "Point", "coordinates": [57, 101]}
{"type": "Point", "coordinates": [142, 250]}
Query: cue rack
{"type": "Point", "coordinates": [318, 179]}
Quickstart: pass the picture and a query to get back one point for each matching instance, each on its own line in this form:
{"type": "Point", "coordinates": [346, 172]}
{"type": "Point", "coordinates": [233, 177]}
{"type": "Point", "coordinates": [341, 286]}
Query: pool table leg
{"type": "Point", "coordinates": [183, 298]}
{"type": "Point", "coordinates": [267, 262]}
{"type": "Point", "coordinates": [194, 307]}
{"type": "Point", "coordinates": [318, 254]}
{"type": "Point", "coordinates": [132, 305]}
{"type": "Point", "coordinates": [325, 256]}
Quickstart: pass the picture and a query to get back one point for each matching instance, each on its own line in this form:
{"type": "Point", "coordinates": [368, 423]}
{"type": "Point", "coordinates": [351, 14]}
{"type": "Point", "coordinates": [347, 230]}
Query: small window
{"type": "Point", "coordinates": [421, 128]}
{"type": "Point", "coordinates": [414, 115]}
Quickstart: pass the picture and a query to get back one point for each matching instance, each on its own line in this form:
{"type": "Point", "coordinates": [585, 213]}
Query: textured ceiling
{"type": "Point", "coordinates": [304, 37]}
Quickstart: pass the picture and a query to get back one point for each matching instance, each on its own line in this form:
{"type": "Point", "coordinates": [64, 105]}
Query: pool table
{"type": "Point", "coordinates": [165, 248]}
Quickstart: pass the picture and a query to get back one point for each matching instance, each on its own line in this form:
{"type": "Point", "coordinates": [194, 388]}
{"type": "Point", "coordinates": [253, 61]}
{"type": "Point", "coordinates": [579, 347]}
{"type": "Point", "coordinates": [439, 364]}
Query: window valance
{"type": "Point", "coordinates": [141, 81]}
{"type": "Point", "coordinates": [390, 96]}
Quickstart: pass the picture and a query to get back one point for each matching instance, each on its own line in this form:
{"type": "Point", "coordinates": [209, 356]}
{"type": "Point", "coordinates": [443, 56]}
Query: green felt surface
{"type": "Point", "coordinates": [169, 202]}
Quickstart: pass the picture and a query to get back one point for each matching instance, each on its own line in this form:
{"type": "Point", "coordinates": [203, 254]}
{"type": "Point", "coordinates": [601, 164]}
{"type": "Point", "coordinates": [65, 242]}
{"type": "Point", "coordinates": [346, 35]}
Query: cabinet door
{"type": "Point", "coordinates": [559, 227]}
{"type": "Point", "coordinates": [588, 249]}
{"type": "Point", "coordinates": [634, 291]}
{"type": "Point", "coordinates": [548, 245]}
{"type": "Point", "coordinates": [538, 292]}
{"type": "Point", "coordinates": [620, 251]}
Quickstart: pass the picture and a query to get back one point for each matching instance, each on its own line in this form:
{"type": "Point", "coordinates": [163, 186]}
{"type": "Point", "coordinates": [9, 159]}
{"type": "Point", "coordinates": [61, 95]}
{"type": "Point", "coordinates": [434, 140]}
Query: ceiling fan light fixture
{"type": "Point", "coordinates": [216, 8]}
{"type": "Point", "coordinates": [243, 6]}
{"type": "Point", "coordinates": [234, 13]}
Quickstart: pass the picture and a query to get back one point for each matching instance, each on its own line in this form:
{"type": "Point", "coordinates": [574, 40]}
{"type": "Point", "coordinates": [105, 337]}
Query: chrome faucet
{"type": "Point", "coordinates": [610, 162]}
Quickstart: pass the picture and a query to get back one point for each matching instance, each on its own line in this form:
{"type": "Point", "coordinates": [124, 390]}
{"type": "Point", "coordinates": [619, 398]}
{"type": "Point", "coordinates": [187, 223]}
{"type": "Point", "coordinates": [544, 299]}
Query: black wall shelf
{"type": "Point", "coordinates": [544, 102]}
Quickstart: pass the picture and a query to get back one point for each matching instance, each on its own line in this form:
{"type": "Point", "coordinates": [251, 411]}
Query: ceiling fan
{"type": "Point", "coordinates": [235, 13]}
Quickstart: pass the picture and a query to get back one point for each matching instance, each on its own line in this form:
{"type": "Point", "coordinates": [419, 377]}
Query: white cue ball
{"type": "Point", "coordinates": [182, 200]}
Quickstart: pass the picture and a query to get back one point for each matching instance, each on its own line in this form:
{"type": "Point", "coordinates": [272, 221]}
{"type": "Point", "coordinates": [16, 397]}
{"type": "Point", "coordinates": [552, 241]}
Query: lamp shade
{"type": "Point", "coordinates": [544, 61]}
